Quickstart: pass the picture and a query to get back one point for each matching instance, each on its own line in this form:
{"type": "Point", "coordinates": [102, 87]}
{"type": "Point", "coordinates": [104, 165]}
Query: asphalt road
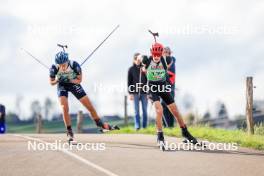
{"type": "Point", "coordinates": [124, 155]}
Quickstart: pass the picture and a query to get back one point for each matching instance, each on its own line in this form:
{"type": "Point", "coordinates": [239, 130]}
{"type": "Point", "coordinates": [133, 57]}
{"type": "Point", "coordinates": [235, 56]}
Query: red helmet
{"type": "Point", "coordinates": [156, 49]}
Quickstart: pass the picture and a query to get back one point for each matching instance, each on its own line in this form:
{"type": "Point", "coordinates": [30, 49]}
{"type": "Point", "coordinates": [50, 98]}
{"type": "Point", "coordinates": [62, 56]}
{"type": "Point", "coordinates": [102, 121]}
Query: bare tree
{"type": "Point", "coordinates": [48, 106]}
{"type": "Point", "coordinates": [18, 101]}
{"type": "Point", "coordinates": [35, 107]}
{"type": "Point", "coordinates": [36, 112]}
{"type": "Point", "coordinates": [80, 121]}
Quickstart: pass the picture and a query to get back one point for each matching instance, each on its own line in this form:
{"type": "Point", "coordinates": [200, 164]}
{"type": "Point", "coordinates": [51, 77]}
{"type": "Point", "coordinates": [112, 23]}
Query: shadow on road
{"type": "Point", "coordinates": [228, 152]}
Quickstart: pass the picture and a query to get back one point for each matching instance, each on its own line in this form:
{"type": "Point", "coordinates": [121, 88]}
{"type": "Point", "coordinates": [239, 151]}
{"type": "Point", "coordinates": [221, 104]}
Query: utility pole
{"type": "Point", "coordinates": [39, 123]}
{"type": "Point", "coordinates": [80, 122]}
{"type": "Point", "coordinates": [125, 111]}
{"type": "Point", "coordinates": [249, 105]}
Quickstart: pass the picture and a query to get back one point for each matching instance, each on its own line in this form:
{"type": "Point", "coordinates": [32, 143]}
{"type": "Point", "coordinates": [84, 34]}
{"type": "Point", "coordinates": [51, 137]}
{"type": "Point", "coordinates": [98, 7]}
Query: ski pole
{"type": "Point", "coordinates": [65, 46]}
{"type": "Point", "coordinates": [36, 59]}
{"type": "Point", "coordinates": [100, 44]}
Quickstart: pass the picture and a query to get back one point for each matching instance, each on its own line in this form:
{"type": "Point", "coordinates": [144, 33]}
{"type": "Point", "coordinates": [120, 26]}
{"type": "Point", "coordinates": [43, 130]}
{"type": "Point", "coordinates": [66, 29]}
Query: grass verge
{"type": "Point", "coordinates": [206, 133]}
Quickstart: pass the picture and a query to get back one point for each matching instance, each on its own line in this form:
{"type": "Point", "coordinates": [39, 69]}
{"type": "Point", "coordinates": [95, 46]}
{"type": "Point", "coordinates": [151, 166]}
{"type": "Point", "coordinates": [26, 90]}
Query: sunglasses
{"type": "Point", "coordinates": [156, 55]}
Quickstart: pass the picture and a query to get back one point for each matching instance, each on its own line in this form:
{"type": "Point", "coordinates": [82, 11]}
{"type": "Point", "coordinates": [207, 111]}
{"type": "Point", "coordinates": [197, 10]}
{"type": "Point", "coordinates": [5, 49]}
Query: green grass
{"type": "Point", "coordinates": [202, 132]}
{"type": "Point", "coordinates": [47, 127]}
{"type": "Point", "coordinates": [259, 129]}
{"type": "Point", "coordinates": [206, 133]}
{"type": "Point", "coordinates": [51, 126]}
{"type": "Point", "coordinates": [25, 128]}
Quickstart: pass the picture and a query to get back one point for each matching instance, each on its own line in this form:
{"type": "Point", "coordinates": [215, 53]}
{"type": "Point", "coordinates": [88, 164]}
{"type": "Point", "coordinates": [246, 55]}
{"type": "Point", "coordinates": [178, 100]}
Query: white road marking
{"type": "Point", "coordinates": [83, 160]}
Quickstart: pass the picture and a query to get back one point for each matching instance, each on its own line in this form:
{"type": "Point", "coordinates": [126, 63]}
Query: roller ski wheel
{"type": "Point", "coordinates": [71, 139]}
{"type": "Point", "coordinates": [194, 142]}
{"type": "Point", "coordinates": [198, 143]}
{"type": "Point", "coordinates": [161, 145]}
{"type": "Point", "coordinates": [106, 128]}
{"type": "Point", "coordinates": [160, 141]}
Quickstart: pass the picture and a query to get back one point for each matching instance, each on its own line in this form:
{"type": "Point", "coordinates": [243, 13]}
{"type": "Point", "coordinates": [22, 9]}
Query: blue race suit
{"type": "Point", "coordinates": [64, 86]}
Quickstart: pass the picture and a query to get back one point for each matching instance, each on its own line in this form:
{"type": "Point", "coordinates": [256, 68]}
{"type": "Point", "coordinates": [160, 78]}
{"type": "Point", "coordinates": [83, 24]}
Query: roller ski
{"type": "Point", "coordinates": [109, 128]}
{"type": "Point", "coordinates": [71, 139]}
{"type": "Point", "coordinates": [105, 127]}
{"type": "Point", "coordinates": [161, 141]}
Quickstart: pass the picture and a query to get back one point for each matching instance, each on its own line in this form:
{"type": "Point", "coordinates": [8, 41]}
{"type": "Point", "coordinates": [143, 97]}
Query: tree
{"type": "Point", "coordinates": [35, 108]}
{"type": "Point", "coordinates": [207, 116]}
{"type": "Point", "coordinates": [221, 111]}
{"type": "Point", "coordinates": [48, 106]}
{"type": "Point", "coordinates": [36, 112]}
{"type": "Point", "coordinates": [19, 99]}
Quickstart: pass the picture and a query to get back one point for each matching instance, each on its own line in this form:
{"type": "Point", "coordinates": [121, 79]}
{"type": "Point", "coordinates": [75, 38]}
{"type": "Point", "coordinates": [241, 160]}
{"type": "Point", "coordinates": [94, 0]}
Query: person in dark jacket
{"type": "Point", "coordinates": [2, 119]}
{"type": "Point", "coordinates": [168, 119]}
{"type": "Point", "coordinates": [136, 82]}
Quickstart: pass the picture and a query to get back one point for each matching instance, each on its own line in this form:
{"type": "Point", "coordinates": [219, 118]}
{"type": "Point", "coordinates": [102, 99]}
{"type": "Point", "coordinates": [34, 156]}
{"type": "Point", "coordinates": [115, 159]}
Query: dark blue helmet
{"type": "Point", "coordinates": [61, 57]}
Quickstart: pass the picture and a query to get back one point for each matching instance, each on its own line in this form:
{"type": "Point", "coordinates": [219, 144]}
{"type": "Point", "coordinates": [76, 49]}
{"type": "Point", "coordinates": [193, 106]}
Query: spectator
{"type": "Point", "coordinates": [136, 80]}
{"type": "Point", "coordinates": [2, 118]}
{"type": "Point", "coordinates": [168, 119]}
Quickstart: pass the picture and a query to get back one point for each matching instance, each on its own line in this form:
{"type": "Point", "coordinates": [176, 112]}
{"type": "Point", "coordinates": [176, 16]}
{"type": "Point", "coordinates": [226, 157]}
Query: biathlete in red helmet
{"type": "Point", "coordinates": [158, 87]}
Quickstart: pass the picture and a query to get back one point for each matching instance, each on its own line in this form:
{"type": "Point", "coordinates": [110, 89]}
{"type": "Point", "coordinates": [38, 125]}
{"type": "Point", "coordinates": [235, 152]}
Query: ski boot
{"type": "Point", "coordinates": [188, 137]}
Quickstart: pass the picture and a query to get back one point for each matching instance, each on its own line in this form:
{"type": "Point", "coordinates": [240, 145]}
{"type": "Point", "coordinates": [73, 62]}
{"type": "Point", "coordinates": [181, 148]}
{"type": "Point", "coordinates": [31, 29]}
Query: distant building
{"type": "Point", "coordinates": [219, 118]}
{"type": "Point", "coordinates": [258, 111]}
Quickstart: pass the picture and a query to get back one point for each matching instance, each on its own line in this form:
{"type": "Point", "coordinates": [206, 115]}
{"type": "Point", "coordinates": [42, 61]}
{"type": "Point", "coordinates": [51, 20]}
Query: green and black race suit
{"type": "Point", "coordinates": [156, 72]}
{"type": "Point", "coordinates": [157, 79]}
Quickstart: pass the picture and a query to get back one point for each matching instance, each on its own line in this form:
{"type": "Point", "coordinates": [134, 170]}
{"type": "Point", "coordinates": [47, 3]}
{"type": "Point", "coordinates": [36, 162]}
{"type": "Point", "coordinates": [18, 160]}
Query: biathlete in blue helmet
{"type": "Point", "coordinates": [67, 75]}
